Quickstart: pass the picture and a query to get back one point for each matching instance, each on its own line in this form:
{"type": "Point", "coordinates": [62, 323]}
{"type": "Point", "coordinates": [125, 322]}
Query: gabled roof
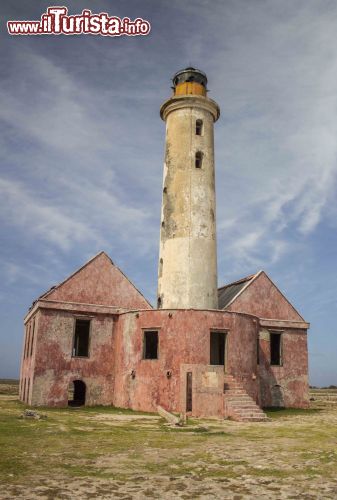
{"type": "Point", "coordinates": [55, 287]}
{"type": "Point", "coordinates": [257, 294]}
{"type": "Point", "coordinates": [99, 281]}
{"type": "Point", "coordinates": [228, 293]}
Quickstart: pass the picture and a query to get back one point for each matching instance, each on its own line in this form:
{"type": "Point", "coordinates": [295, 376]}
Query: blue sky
{"type": "Point", "coordinates": [82, 146]}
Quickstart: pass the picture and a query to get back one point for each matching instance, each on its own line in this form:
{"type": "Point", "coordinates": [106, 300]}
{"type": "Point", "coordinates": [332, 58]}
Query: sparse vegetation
{"type": "Point", "coordinates": [107, 452]}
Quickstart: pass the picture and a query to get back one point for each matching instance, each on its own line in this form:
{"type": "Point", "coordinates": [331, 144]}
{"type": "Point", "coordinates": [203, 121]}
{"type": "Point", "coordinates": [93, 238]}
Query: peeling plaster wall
{"type": "Point", "coordinates": [207, 390]}
{"type": "Point", "coordinates": [55, 367]}
{"type": "Point", "coordinates": [187, 274]}
{"type": "Point", "coordinates": [184, 338]}
{"type": "Point", "coordinates": [116, 373]}
{"type": "Point", "coordinates": [285, 385]}
{"type": "Point", "coordinates": [100, 282]}
{"type": "Point", "coordinates": [28, 358]}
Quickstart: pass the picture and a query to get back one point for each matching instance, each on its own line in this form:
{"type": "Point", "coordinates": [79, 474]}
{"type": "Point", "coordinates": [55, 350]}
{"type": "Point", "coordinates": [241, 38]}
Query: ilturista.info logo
{"type": "Point", "coordinates": [56, 21]}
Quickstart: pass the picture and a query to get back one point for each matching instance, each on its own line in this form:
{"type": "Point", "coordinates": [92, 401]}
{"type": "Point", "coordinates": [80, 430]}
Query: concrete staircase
{"type": "Point", "coordinates": [238, 405]}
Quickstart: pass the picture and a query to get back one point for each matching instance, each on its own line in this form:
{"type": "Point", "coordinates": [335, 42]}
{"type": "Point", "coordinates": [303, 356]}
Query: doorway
{"type": "Point", "coordinates": [189, 391]}
{"type": "Point", "coordinates": [76, 393]}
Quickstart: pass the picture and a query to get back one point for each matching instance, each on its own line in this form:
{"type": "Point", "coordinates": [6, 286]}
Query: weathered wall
{"type": "Point", "coordinates": [100, 282]}
{"type": "Point", "coordinates": [116, 373]}
{"type": "Point", "coordinates": [28, 358]}
{"type": "Point", "coordinates": [263, 299]}
{"type": "Point", "coordinates": [55, 367]}
{"type": "Point", "coordinates": [207, 390]}
{"type": "Point", "coordinates": [285, 385]}
{"type": "Point", "coordinates": [187, 274]}
{"type": "Point", "coordinates": [184, 338]}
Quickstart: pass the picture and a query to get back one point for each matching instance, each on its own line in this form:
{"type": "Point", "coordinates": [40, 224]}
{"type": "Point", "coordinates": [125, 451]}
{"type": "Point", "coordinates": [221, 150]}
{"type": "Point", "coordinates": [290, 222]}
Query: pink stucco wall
{"type": "Point", "coordinates": [184, 338]}
{"type": "Point", "coordinates": [99, 282]}
{"type": "Point", "coordinates": [285, 385]}
{"type": "Point", "coordinates": [264, 300]}
{"type": "Point", "coordinates": [115, 371]}
{"type": "Point", "coordinates": [55, 367]}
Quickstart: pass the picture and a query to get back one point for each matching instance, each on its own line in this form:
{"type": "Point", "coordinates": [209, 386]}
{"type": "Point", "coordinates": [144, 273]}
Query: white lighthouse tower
{"type": "Point", "coordinates": [187, 274]}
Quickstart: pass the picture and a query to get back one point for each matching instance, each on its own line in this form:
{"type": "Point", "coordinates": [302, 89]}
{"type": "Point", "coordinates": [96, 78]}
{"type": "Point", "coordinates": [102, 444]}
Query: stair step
{"type": "Point", "coordinates": [246, 410]}
{"type": "Point", "coordinates": [240, 405]}
{"type": "Point", "coordinates": [250, 419]}
{"type": "Point", "coordinates": [244, 407]}
{"type": "Point", "coordinates": [243, 399]}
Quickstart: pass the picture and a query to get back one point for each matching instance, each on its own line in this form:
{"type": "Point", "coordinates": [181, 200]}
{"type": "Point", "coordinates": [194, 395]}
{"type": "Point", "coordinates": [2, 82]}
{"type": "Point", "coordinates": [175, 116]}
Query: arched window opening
{"type": "Point", "coordinates": [76, 393]}
{"type": "Point", "coordinates": [198, 159]}
{"type": "Point", "coordinates": [198, 127]}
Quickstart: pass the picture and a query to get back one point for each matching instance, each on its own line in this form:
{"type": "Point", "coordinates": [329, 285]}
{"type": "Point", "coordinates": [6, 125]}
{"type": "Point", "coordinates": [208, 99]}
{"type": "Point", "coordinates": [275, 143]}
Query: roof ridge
{"type": "Point", "coordinates": [242, 280]}
{"type": "Point", "coordinates": [54, 287]}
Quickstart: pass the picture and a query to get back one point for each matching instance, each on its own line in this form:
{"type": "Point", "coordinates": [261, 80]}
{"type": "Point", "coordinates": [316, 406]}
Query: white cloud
{"type": "Point", "coordinates": [21, 208]}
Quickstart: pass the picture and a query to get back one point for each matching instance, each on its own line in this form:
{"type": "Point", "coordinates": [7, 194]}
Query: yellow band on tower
{"type": "Point", "coordinates": [187, 88]}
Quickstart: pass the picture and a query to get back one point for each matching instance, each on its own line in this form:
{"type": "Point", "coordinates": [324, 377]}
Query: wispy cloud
{"type": "Point", "coordinates": [20, 208]}
{"type": "Point", "coordinates": [82, 143]}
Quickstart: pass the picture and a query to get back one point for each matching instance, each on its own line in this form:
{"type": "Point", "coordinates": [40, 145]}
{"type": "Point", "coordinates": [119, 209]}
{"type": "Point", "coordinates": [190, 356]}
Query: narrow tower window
{"type": "Point", "coordinates": [32, 339]}
{"type": "Point", "coordinates": [198, 159]}
{"type": "Point", "coordinates": [198, 127]}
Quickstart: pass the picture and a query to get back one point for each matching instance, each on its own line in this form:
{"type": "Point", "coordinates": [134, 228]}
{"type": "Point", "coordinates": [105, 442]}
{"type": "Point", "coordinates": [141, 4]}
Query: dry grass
{"type": "Point", "coordinates": [111, 453]}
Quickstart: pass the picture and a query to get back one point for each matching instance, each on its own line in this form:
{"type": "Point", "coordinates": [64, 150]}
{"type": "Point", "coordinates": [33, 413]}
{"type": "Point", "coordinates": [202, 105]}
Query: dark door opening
{"type": "Point", "coordinates": [218, 348]}
{"type": "Point", "coordinates": [189, 391]}
{"type": "Point", "coordinates": [76, 393]}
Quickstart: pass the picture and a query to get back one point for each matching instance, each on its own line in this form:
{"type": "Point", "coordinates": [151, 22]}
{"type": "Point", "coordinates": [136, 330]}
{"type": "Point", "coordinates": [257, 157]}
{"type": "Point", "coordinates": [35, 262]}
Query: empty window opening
{"type": "Point", "coordinates": [218, 348]}
{"type": "Point", "coordinates": [24, 390]}
{"type": "Point", "coordinates": [198, 159]}
{"type": "Point", "coordinates": [189, 391]}
{"type": "Point", "coordinates": [25, 343]}
{"type": "Point", "coordinates": [81, 339]}
{"type": "Point", "coordinates": [151, 344]}
{"type": "Point", "coordinates": [159, 303]}
{"type": "Point", "coordinates": [28, 388]}
{"type": "Point", "coordinates": [275, 349]}
{"type": "Point", "coordinates": [32, 339]}
{"type": "Point", "coordinates": [198, 127]}
{"type": "Point", "coordinates": [165, 190]}
{"type": "Point", "coordinates": [76, 393]}
{"type": "Point", "coordinates": [25, 355]}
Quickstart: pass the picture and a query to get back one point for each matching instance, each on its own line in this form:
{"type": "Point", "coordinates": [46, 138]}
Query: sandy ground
{"type": "Point", "coordinates": [285, 458]}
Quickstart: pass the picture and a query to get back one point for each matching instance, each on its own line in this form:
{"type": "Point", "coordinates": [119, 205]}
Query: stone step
{"type": "Point", "coordinates": [236, 392]}
{"type": "Point", "coordinates": [240, 405]}
{"type": "Point", "coordinates": [250, 419]}
{"type": "Point", "coordinates": [248, 411]}
{"type": "Point", "coordinates": [327, 397]}
{"type": "Point", "coordinates": [240, 398]}
{"type": "Point", "coordinates": [244, 407]}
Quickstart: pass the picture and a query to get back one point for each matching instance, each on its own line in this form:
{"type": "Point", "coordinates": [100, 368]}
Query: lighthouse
{"type": "Point", "coordinates": [187, 270]}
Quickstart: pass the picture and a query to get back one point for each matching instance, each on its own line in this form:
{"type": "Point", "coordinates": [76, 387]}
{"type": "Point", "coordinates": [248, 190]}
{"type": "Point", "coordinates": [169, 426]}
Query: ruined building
{"type": "Point", "coordinates": [208, 351]}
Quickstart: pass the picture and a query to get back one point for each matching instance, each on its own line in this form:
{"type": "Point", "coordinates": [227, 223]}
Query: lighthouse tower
{"type": "Point", "coordinates": [187, 274]}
